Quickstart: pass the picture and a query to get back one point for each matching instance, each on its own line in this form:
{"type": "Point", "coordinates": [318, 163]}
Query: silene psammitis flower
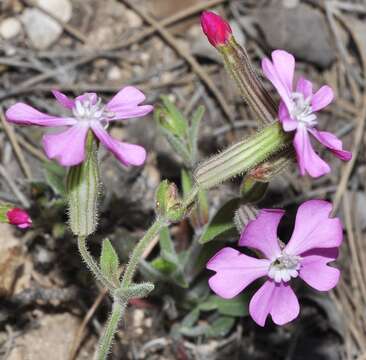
{"type": "Point", "coordinates": [297, 111]}
{"type": "Point", "coordinates": [88, 112]}
{"type": "Point", "coordinates": [314, 243]}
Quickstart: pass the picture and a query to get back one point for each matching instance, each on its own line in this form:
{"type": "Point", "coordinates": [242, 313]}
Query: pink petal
{"type": "Point", "coordinates": [64, 100]}
{"type": "Point", "coordinates": [24, 114]}
{"type": "Point", "coordinates": [322, 98]}
{"type": "Point", "coordinates": [276, 299]}
{"type": "Point", "coordinates": [309, 162]}
{"type": "Point", "coordinates": [304, 87]}
{"type": "Point", "coordinates": [314, 228]}
{"type": "Point", "coordinates": [261, 233]}
{"type": "Point", "coordinates": [67, 147]}
{"type": "Point", "coordinates": [284, 64]}
{"type": "Point", "coordinates": [332, 143]}
{"type": "Point", "coordinates": [127, 154]}
{"type": "Point", "coordinates": [234, 272]}
{"type": "Point", "coordinates": [90, 96]}
{"type": "Point", "coordinates": [315, 271]}
{"type": "Point", "coordinates": [270, 72]}
{"type": "Point", "coordinates": [288, 124]}
{"type": "Point", "coordinates": [125, 104]}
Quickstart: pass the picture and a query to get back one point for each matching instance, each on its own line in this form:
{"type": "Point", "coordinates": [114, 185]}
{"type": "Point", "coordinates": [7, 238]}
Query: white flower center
{"type": "Point", "coordinates": [88, 112]}
{"type": "Point", "coordinates": [284, 267]}
{"type": "Point", "coordinates": [301, 110]}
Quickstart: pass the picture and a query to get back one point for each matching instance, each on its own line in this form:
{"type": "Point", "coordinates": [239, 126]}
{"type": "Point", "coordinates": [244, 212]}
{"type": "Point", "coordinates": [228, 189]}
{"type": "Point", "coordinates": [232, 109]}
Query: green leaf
{"type": "Point", "coordinates": [175, 118]}
{"type": "Point", "coordinates": [251, 190]}
{"type": "Point", "coordinates": [193, 131]}
{"type": "Point", "coordinates": [4, 208]}
{"type": "Point", "coordinates": [191, 318]}
{"type": "Point", "coordinates": [186, 182]}
{"type": "Point", "coordinates": [163, 266]}
{"type": "Point", "coordinates": [220, 327]}
{"type": "Point", "coordinates": [167, 250]}
{"type": "Point", "coordinates": [194, 331]}
{"type": "Point", "coordinates": [221, 223]}
{"type": "Point", "coordinates": [134, 291]}
{"type": "Point", "coordinates": [109, 262]}
{"type": "Point", "coordinates": [237, 306]}
{"type": "Point", "coordinates": [170, 271]}
{"type": "Point", "coordinates": [55, 177]}
{"type": "Point", "coordinates": [179, 146]}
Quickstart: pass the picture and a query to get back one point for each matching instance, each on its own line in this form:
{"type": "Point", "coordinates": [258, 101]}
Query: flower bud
{"type": "Point", "coordinates": [216, 29]}
{"type": "Point", "coordinates": [18, 217]}
{"type": "Point", "coordinates": [168, 202]}
{"type": "Point", "coordinates": [82, 186]}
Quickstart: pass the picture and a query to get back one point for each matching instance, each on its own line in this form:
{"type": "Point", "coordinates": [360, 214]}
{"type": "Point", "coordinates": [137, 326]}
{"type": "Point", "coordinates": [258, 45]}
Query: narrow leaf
{"type": "Point", "coordinates": [237, 306]}
{"type": "Point", "coordinates": [193, 131]}
{"type": "Point", "coordinates": [167, 249]}
{"type": "Point", "coordinates": [109, 262]}
{"type": "Point", "coordinates": [221, 222]}
{"type": "Point", "coordinates": [177, 120]}
{"type": "Point", "coordinates": [177, 145]}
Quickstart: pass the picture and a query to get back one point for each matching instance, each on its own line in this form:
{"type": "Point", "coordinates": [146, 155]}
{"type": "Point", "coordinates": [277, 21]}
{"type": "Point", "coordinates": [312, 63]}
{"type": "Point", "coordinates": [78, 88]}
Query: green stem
{"type": "Point", "coordinates": [105, 343]}
{"type": "Point", "coordinates": [139, 250]}
{"type": "Point", "coordinates": [120, 304]}
{"type": "Point", "coordinates": [92, 265]}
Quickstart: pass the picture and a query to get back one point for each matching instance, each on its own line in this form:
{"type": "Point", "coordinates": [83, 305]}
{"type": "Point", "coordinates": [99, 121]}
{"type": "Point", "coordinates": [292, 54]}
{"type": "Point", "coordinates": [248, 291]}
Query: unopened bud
{"type": "Point", "coordinates": [82, 186]}
{"type": "Point", "coordinates": [216, 29]}
{"type": "Point", "coordinates": [14, 216]}
{"type": "Point", "coordinates": [168, 202]}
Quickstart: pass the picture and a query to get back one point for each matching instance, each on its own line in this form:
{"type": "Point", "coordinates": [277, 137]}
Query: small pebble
{"type": "Point", "coordinates": [10, 28]}
{"type": "Point", "coordinates": [114, 73]}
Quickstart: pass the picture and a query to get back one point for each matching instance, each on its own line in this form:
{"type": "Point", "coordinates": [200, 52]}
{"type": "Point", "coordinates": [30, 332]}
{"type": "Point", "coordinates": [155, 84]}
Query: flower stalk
{"type": "Point", "coordinates": [251, 88]}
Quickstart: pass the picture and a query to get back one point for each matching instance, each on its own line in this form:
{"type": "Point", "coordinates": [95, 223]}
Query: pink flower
{"type": "Point", "coordinates": [297, 111]}
{"type": "Point", "coordinates": [19, 218]}
{"type": "Point", "coordinates": [68, 147]}
{"type": "Point", "coordinates": [314, 243]}
{"type": "Point", "coordinates": [217, 30]}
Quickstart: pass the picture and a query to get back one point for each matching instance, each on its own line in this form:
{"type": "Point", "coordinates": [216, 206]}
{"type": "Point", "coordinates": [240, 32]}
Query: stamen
{"type": "Point", "coordinates": [302, 110]}
{"type": "Point", "coordinates": [88, 112]}
{"type": "Point", "coordinates": [284, 267]}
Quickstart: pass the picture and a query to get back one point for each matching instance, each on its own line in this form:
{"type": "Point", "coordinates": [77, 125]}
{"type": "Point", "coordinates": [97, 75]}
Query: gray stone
{"type": "Point", "coordinates": [301, 30]}
{"type": "Point", "coordinates": [41, 29]}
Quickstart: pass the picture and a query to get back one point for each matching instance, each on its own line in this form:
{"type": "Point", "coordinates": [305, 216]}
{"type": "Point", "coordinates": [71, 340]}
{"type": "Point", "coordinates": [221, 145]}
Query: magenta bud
{"type": "Point", "coordinates": [19, 217]}
{"type": "Point", "coordinates": [217, 30]}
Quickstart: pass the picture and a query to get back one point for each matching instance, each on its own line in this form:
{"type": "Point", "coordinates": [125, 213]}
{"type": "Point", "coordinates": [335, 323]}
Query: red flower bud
{"type": "Point", "coordinates": [217, 30]}
{"type": "Point", "coordinates": [19, 218]}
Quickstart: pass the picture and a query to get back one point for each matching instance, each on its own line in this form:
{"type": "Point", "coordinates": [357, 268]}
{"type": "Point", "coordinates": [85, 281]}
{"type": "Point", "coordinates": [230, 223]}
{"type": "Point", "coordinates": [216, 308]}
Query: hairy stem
{"type": "Point", "coordinates": [139, 250]}
{"type": "Point", "coordinates": [106, 340]}
{"type": "Point", "coordinates": [91, 264]}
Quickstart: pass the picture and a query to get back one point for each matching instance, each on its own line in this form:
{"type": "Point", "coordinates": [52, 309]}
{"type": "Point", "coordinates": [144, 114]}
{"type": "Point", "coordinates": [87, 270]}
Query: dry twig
{"type": "Point", "coordinates": [15, 144]}
{"type": "Point", "coordinates": [196, 67]}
